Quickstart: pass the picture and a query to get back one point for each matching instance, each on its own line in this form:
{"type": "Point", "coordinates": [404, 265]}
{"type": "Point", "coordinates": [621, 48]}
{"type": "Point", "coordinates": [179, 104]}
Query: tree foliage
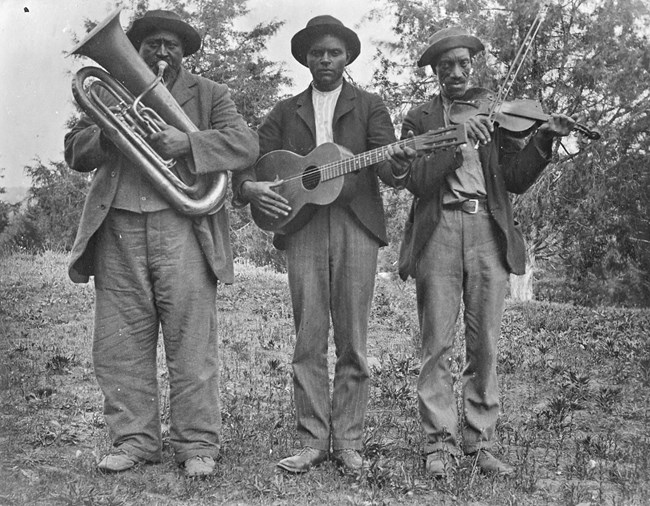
{"type": "Point", "coordinates": [588, 213]}
{"type": "Point", "coordinates": [53, 208]}
{"type": "Point", "coordinates": [5, 209]}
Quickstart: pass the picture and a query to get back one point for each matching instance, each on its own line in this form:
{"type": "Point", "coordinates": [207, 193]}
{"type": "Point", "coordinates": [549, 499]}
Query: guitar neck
{"type": "Point", "coordinates": [361, 161]}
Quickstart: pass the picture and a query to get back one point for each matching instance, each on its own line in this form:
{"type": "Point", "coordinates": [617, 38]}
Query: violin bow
{"type": "Point", "coordinates": [517, 63]}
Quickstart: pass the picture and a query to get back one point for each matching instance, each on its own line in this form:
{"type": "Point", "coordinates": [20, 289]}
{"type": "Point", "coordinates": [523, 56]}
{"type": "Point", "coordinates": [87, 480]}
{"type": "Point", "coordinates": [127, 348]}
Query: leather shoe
{"type": "Point", "coordinates": [439, 463]}
{"type": "Point", "coordinates": [119, 461]}
{"type": "Point", "coordinates": [303, 461]}
{"type": "Point", "coordinates": [199, 466]}
{"type": "Point", "coordinates": [489, 464]}
{"type": "Point", "coordinates": [348, 459]}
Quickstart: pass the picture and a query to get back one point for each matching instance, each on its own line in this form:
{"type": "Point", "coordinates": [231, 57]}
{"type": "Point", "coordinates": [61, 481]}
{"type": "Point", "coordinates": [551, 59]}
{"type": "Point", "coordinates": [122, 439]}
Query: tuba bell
{"type": "Point", "coordinates": [142, 104]}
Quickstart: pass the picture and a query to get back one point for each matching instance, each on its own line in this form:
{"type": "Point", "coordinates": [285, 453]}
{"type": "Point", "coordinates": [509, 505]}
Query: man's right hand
{"type": "Point", "coordinates": [261, 195]}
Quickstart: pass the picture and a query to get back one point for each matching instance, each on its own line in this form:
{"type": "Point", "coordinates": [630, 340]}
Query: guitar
{"type": "Point", "coordinates": [316, 179]}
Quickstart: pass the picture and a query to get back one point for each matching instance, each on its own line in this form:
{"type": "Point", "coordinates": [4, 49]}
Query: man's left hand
{"type": "Point", "coordinates": [558, 125]}
{"type": "Point", "coordinates": [401, 158]}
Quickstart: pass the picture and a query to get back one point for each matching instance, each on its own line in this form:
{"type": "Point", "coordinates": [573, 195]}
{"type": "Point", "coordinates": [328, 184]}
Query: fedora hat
{"type": "Point", "coordinates": [323, 25]}
{"type": "Point", "coordinates": [168, 21]}
{"type": "Point", "coordinates": [446, 39]}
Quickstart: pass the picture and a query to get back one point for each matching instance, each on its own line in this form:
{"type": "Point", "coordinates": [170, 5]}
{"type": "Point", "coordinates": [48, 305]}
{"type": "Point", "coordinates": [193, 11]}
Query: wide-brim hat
{"type": "Point", "coordinates": [164, 20]}
{"type": "Point", "coordinates": [323, 25]}
{"type": "Point", "coordinates": [446, 39]}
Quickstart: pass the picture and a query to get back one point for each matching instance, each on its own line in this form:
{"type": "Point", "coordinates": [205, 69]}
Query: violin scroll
{"type": "Point", "coordinates": [591, 134]}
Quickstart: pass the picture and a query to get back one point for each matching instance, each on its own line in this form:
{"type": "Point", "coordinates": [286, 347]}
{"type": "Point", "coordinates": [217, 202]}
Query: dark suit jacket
{"type": "Point", "coordinates": [361, 122]}
{"type": "Point", "coordinates": [224, 142]}
{"type": "Point", "coordinates": [506, 167]}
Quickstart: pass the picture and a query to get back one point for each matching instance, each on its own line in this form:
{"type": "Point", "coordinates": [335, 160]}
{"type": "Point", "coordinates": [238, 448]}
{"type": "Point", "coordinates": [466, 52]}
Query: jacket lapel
{"type": "Point", "coordinates": [305, 111]}
{"type": "Point", "coordinates": [432, 114]}
{"type": "Point", "coordinates": [344, 104]}
{"type": "Point", "coordinates": [185, 88]}
{"type": "Point", "coordinates": [305, 107]}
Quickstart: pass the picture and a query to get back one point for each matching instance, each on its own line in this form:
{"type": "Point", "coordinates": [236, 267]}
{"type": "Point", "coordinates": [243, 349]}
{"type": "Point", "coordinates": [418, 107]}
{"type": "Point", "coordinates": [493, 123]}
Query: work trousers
{"type": "Point", "coordinates": [150, 273]}
{"type": "Point", "coordinates": [462, 259]}
{"type": "Point", "coordinates": [331, 263]}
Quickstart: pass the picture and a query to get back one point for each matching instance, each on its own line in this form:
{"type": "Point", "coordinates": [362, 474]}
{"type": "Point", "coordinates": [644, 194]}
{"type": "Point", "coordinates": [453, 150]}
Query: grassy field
{"type": "Point", "coordinates": [575, 417]}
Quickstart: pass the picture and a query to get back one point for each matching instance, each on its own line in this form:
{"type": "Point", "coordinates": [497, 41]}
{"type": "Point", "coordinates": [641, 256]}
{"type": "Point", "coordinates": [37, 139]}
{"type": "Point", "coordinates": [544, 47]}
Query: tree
{"type": "Point", "coordinates": [48, 218]}
{"type": "Point", "coordinates": [589, 59]}
{"type": "Point", "coordinates": [5, 209]}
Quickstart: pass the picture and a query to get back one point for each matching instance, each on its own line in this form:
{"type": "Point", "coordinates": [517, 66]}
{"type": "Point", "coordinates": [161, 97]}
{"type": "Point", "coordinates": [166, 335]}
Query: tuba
{"type": "Point", "coordinates": [133, 118]}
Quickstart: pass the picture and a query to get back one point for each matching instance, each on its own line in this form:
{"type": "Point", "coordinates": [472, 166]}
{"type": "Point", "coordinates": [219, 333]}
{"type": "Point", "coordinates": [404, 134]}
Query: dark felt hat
{"type": "Point", "coordinates": [164, 20]}
{"type": "Point", "coordinates": [446, 39]}
{"type": "Point", "coordinates": [323, 25]}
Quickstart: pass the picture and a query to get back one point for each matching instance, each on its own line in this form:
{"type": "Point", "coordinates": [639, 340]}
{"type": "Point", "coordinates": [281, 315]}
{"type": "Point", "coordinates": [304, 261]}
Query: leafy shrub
{"type": "Point", "coordinates": [54, 204]}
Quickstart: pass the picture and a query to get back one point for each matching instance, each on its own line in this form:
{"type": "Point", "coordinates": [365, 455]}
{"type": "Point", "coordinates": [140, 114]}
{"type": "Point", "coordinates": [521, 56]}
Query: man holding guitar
{"type": "Point", "coordinates": [332, 250]}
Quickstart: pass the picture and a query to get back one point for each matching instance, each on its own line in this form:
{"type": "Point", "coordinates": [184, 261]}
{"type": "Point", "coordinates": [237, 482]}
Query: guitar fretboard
{"type": "Point", "coordinates": [342, 167]}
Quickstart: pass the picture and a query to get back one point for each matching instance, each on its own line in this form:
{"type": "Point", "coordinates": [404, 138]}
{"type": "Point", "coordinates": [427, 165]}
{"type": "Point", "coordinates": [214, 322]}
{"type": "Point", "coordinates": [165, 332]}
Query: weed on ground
{"type": "Point", "coordinates": [575, 402]}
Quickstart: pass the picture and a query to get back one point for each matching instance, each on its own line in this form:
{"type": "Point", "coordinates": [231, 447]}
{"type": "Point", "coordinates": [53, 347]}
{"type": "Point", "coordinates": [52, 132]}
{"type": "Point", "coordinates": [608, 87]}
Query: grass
{"type": "Point", "coordinates": [575, 420]}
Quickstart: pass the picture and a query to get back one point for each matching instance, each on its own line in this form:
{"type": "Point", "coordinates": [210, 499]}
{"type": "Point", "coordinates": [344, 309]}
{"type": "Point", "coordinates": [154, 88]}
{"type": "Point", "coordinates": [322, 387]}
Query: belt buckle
{"type": "Point", "coordinates": [471, 201]}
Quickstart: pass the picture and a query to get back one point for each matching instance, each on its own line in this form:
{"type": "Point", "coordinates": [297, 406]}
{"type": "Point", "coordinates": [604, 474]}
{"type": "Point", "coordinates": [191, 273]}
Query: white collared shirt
{"type": "Point", "coordinates": [324, 103]}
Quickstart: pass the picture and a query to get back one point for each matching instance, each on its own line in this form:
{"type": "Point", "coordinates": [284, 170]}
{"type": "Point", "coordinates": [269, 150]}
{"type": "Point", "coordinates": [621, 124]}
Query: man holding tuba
{"type": "Point", "coordinates": [156, 267]}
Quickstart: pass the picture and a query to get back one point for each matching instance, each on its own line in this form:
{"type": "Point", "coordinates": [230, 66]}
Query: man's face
{"type": "Point", "coordinates": [453, 70]}
{"type": "Point", "coordinates": [326, 59]}
{"type": "Point", "coordinates": [166, 46]}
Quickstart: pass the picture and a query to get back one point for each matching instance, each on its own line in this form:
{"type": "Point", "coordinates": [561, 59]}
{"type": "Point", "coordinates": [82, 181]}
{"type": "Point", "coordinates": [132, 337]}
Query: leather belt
{"type": "Point", "coordinates": [470, 206]}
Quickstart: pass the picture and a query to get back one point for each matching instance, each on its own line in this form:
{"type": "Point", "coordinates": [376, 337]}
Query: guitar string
{"type": "Point", "coordinates": [316, 175]}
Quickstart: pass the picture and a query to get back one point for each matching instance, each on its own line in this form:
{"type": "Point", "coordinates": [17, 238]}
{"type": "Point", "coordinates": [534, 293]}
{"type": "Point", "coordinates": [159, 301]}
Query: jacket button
{"type": "Point", "coordinates": [102, 206]}
{"type": "Point", "coordinates": [113, 174]}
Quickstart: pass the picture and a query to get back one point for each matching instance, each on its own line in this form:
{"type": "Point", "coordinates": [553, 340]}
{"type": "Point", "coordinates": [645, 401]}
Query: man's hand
{"type": "Point", "coordinates": [479, 128]}
{"type": "Point", "coordinates": [401, 158]}
{"type": "Point", "coordinates": [170, 142]}
{"type": "Point", "coordinates": [558, 125]}
{"type": "Point", "coordinates": [261, 195]}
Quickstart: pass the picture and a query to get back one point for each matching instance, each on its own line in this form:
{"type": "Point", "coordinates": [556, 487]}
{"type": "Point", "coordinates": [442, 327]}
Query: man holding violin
{"type": "Point", "coordinates": [460, 244]}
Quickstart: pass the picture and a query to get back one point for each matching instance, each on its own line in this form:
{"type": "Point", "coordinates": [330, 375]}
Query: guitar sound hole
{"type": "Point", "coordinates": [311, 178]}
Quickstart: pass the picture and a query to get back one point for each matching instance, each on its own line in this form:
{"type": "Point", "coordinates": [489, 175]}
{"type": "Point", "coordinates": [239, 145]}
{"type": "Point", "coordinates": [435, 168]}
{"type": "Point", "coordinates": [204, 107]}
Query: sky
{"type": "Point", "coordinates": [35, 35]}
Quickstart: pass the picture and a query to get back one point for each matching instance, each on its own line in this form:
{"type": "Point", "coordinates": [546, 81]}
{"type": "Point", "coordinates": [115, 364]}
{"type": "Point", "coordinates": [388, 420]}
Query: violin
{"type": "Point", "coordinates": [517, 116]}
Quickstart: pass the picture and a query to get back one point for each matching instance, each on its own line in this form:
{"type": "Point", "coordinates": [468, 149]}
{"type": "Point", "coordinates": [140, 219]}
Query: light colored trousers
{"type": "Point", "coordinates": [331, 263]}
{"type": "Point", "coordinates": [150, 272]}
{"type": "Point", "coordinates": [462, 259]}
